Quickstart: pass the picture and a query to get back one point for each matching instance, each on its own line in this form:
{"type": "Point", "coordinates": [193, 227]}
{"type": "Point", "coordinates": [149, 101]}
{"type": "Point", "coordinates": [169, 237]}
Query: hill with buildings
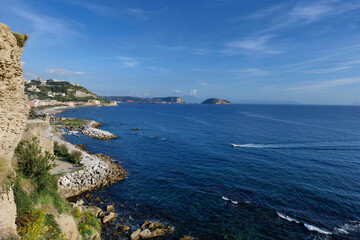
{"type": "Point", "coordinates": [60, 91]}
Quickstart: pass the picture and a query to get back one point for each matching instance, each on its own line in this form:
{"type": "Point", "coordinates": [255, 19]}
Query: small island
{"type": "Point", "coordinates": [215, 101]}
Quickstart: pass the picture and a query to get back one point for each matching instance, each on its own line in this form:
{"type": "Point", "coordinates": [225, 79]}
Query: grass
{"type": "Point", "coordinates": [74, 123]}
{"type": "Point", "coordinates": [21, 38]}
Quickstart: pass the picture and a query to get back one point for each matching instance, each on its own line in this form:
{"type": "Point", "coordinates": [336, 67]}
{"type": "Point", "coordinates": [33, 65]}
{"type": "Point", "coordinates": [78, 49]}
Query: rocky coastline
{"type": "Point", "coordinates": [97, 170]}
{"type": "Point", "coordinates": [90, 129]}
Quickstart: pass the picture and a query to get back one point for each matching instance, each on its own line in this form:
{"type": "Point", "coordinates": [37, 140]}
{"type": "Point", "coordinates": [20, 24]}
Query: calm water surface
{"type": "Point", "coordinates": [295, 173]}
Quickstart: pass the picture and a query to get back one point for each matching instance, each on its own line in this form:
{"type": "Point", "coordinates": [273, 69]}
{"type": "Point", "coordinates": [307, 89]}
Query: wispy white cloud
{"type": "Point", "coordinates": [128, 62]}
{"type": "Point", "coordinates": [329, 70]}
{"type": "Point", "coordinates": [252, 71]}
{"type": "Point", "coordinates": [200, 51]}
{"type": "Point", "coordinates": [22, 63]}
{"type": "Point", "coordinates": [258, 45]}
{"type": "Point", "coordinates": [58, 71]}
{"type": "Point", "coordinates": [29, 75]}
{"type": "Point", "coordinates": [176, 91]}
{"type": "Point", "coordinates": [196, 51]}
{"type": "Point", "coordinates": [327, 84]}
{"type": "Point", "coordinates": [193, 92]}
{"type": "Point", "coordinates": [159, 69]}
{"type": "Point", "coordinates": [140, 13]}
{"type": "Point", "coordinates": [247, 71]}
{"type": "Point", "coordinates": [339, 67]}
{"type": "Point", "coordinates": [55, 29]}
{"type": "Point", "coordinates": [285, 15]}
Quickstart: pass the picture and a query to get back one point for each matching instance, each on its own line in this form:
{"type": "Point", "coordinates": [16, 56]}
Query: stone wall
{"type": "Point", "coordinates": [14, 109]}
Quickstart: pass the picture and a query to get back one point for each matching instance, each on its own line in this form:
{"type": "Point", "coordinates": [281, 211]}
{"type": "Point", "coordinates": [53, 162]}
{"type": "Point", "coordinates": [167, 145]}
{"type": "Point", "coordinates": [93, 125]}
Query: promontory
{"type": "Point", "coordinates": [215, 101]}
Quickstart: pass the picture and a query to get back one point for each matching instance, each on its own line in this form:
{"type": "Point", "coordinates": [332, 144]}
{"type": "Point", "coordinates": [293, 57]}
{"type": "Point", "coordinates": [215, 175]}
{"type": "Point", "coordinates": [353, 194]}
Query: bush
{"type": "Point", "coordinates": [32, 162]}
{"type": "Point", "coordinates": [33, 228]}
{"type": "Point", "coordinates": [88, 224]}
{"type": "Point", "coordinates": [63, 152]}
{"type": "Point", "coordinates": [24, 205]}
{"type": "Point", "coordinates": [21, 38]}
{"type": "Point", "coordinates": [76, 156]}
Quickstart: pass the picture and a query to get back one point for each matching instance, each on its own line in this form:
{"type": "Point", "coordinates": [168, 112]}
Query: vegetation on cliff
{"type": "Point", "coordinates": [87, 222]}
{"type": "Point", "coordinates": [36, 195]}
{"type": "Point", "coordinates": [21, 38]}
{"type": "Point", "coordinates": [215, 101]}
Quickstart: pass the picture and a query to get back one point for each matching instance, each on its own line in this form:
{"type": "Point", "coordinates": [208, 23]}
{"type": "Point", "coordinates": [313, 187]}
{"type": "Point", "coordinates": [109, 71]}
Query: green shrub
{"type": "Point", "coordinates": [88, 224]}
{"type": "Point", "coordinates": [21, 38]}
{"type": "Point", "coordinates": [76, 156]}
{"type": "Point", "coordinates": [63, 152]}
{"type": "Point", "coordinates": [32, 163]}
{"type": "Point", "coordinates": [24, 205]}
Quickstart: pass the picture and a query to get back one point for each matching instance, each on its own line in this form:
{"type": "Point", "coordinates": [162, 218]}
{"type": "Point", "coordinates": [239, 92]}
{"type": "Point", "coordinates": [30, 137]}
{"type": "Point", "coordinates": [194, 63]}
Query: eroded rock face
{"type": "Point", "coordinates": [36, 128]}
{"type": "Point", "coordinates": [14, 108]}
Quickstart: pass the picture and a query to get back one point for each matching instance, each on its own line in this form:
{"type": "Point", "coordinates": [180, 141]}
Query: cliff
{"type": "Point", "coordinates": [215, 101]}
{"type": "Point", "coordinates": [13, 114]}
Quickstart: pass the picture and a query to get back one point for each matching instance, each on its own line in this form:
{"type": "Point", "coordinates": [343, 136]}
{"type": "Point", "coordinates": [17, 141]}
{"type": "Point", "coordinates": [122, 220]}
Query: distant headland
{"type": "Point", "coordinates": [130, 99]}
{"type": "Point", "coordinates": [215, 101]}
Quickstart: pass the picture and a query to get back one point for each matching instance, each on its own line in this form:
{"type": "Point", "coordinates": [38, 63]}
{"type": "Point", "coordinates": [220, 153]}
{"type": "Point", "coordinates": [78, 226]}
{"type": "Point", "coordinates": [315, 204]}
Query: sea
{"type": "Point", "coordinates": [292, 173]}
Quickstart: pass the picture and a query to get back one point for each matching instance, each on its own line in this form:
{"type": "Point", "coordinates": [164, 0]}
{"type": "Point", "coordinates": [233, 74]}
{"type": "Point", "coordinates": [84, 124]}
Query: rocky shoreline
{"type": "Point", "coordinates": [90, 129]}
{"type": "Point", "coordinates": [97, 171]}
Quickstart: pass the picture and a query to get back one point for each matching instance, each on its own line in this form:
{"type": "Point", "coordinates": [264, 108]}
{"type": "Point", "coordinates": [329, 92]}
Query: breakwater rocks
{"type": "Point", "coordinates": [90, 129]}
{"type": "Point", "coordinates": [97, 171]}
{"type": "Point", "coordinates": [151, 230]}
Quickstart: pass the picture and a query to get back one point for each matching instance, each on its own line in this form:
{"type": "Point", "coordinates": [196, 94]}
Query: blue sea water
{"type": "Point", "coordinates": [295, 172]}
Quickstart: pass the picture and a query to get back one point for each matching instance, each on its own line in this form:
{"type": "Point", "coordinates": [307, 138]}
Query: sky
{"type": "Point", "coordinates": [278, 51]}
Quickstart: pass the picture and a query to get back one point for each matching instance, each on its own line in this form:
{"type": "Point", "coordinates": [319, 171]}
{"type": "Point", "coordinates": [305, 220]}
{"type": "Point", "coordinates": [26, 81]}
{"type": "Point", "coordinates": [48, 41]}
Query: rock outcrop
{"type": "Point", "coordinates": [14, 109]}
{"type": "Point", "coordinates": [151, 230]}
{"type": "Point", "coordinates": [215, 101]}
{"type": "Point", "coordinates": [89, 129]}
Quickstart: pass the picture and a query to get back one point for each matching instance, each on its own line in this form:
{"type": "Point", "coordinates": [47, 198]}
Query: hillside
{"type": "Point", "coordinates": [61, 91]}
{"type": "Point", "coordinates": [129, 99]}
{"type": "Point", "coordinates": [215, 101]}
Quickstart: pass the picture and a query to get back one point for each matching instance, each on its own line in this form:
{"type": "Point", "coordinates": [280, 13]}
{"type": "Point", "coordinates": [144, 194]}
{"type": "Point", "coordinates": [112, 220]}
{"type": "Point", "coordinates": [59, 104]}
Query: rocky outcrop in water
{"type": "Point", "coordinates": [151, 230]}
{"type": "Point", "coordinates": [215, 101]}
{"type": "Point", "coordinates": [14, 109]}
{"type": "Point", "coordinates": [89, 129]}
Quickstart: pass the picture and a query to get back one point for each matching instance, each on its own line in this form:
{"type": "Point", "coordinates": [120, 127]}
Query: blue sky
{"type": "Point", "coordinates": [275, 51]}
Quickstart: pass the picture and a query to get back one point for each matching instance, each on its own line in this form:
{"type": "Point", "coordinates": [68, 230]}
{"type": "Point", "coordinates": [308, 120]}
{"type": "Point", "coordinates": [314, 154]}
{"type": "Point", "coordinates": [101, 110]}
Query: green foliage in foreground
{"type": "Point", "coordinates": [88, 224]}
{"type": "Point", "coordinates": [34, 167]}
{"type": "Point", "coordinates": [74, 123]}
{"type": "Point", "coordinates": [63, 152]}
{"type": "Point", "coordinates": [21, 38]}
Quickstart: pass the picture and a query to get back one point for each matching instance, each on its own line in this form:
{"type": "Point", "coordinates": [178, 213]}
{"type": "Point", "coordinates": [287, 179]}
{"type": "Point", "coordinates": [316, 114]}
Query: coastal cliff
{"type": "Point", "coordinates": [13, 114]}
